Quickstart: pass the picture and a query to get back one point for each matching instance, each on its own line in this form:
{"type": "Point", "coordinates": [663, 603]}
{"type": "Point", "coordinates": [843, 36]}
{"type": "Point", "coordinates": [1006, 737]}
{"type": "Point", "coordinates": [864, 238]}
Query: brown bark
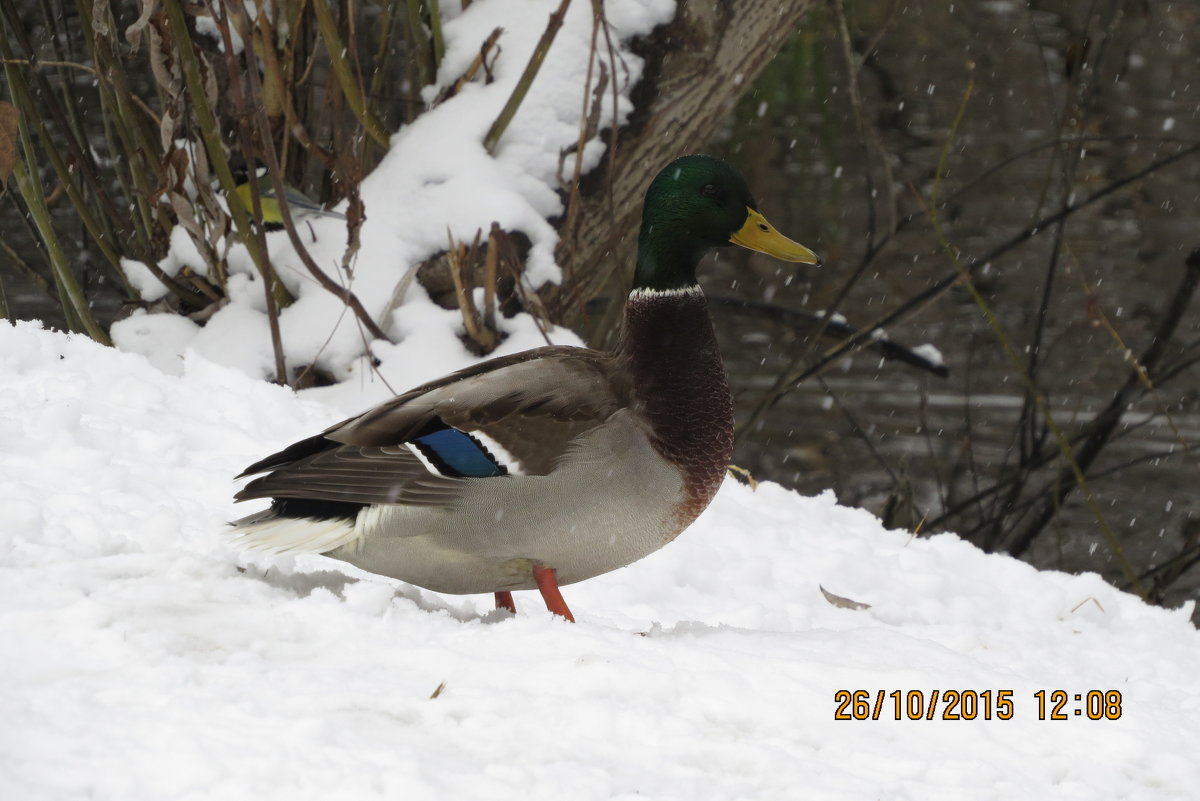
{"type": "Point", "coordinates": [697, 67]}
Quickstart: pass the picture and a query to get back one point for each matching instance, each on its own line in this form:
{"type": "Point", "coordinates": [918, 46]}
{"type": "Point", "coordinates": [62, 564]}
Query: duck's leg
{"type": "Point", "coordinates": [547, 583]}
{"type": "Point", "coordinates": [504, 600]}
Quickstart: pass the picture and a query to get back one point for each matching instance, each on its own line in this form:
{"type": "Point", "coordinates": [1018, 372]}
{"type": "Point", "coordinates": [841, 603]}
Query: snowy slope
{"type": "Point", "coordinates": [142, 658]}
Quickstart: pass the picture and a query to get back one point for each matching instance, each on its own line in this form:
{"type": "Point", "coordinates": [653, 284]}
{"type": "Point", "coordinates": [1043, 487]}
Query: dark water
{"type": "Point", "coordinates": [1135, 92]}
{"type": "Point", "coordinates": [1125, 75]}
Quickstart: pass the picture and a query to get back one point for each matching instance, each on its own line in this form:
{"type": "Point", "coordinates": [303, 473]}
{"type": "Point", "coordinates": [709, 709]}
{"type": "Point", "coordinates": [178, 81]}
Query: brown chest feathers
{"type": "Point", "coordinates": [680, 387]}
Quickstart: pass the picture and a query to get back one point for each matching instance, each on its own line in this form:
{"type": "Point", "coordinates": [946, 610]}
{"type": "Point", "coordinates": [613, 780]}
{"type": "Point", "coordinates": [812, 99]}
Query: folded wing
{"type": "Point", "coordinates": [422, 446]}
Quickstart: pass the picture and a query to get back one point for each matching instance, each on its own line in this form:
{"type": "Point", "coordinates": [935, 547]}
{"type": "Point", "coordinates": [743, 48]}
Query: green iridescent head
{"type": "Point", "coordinates": [694, 204]}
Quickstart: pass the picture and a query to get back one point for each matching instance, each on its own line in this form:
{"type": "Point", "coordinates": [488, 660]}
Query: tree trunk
{"type": "Point", "coordinates": [697, 67]}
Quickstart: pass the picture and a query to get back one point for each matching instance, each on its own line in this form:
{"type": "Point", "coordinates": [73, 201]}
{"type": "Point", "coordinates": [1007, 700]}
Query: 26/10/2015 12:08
{"type": "Point", "coordinates": [972, 704]}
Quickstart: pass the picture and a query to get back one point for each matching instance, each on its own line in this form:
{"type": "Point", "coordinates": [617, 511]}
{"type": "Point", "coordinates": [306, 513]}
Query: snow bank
{"type": "Point", "coordinates": [143, 658]}
{"type": "Point", "coordinates": [436, 179]}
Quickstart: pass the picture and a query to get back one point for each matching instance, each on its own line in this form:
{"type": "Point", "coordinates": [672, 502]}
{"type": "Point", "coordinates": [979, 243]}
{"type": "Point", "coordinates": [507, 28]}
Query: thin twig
{"type": "Point", "coordinates": [73, 300]}
{"type": "Point", "coordinates": [492, 138]}
{"type": "Point", "coordinates": [1068, 453]}
{"type": "Point", "coordinates": [258, 233]}
{"type": "Point", "coordinates": [943, 284]}
{"type": "Point", "coordinates": [1137, 380]}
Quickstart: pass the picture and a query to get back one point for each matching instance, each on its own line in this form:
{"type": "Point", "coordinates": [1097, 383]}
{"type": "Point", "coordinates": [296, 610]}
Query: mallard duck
{"type": "Point", "coordinates": [546, 467]}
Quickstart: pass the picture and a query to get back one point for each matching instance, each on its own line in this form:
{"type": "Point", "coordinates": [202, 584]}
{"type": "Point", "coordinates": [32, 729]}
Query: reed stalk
{"type": "Point", "coordinates": [345, 76]}
{"type": "Point", "coordinates": [492, 138]}
{"type": "Point", "coordinates": [74, 302]}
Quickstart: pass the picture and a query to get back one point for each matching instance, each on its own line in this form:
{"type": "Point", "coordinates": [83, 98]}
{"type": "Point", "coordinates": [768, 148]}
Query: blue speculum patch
{"type": "Point", "coordinates": [457, 453]}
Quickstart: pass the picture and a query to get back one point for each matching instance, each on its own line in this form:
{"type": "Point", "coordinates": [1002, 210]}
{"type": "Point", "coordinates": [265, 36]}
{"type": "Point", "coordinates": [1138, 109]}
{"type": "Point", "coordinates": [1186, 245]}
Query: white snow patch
{"type": "Point", "coordinates": [930, 353]}
{"type": "Point", "coordinates": [161, 338]}
{"type": "Point", "coordinates": [144, 658]}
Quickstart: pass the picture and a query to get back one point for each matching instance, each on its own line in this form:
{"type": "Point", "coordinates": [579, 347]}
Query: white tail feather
{"type": "Point", "coordinates": [270, 533]}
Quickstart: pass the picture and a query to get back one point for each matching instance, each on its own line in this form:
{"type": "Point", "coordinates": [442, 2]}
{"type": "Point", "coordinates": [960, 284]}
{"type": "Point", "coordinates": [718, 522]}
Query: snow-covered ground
{"type": "Point", "coordinates": [143, 658]}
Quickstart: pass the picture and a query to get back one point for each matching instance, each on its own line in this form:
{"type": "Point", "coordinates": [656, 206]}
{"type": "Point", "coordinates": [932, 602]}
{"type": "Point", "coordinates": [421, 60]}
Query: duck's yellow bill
{"type": "Point", "coordinates": [758, 234]}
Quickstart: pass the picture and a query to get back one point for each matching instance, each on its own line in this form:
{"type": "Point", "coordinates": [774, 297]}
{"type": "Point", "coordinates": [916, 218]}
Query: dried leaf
{"type": "Point", "coordinates": [742, 476]}
{"type": "Point", "coordinates": [133, 34]}
{"type": "Point", "coordinates": [101, 14]}
{"type": "Point", "coordinates": [172, 172]}
{"type": "Point", "coordinates": [843, 603]}
{"type": "Point", "coordinates": [8, 140]}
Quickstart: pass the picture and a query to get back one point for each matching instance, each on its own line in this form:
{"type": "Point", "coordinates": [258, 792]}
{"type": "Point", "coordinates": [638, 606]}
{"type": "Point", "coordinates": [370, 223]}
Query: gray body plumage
{"type": "Point", "coordinates": [501, 526]}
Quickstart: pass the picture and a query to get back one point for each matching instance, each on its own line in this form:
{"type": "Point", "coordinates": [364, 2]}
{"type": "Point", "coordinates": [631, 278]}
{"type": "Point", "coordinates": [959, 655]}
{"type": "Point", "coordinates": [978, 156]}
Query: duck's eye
{"type": "Point", "coordinates": [709, 190]}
